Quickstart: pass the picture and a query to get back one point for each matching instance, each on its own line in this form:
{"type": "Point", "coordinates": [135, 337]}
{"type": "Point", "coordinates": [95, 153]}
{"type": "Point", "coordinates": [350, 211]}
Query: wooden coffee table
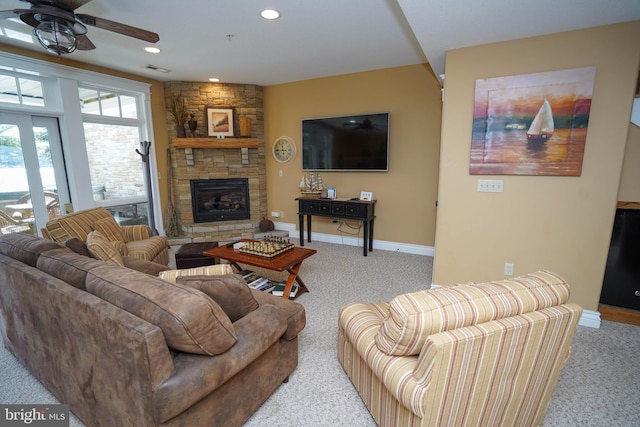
{"type": "Point", "coordinates": [290, 261]}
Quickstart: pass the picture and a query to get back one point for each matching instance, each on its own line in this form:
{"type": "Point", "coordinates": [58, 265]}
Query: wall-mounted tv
{"type": "Point", "coordinates": [346, 143]}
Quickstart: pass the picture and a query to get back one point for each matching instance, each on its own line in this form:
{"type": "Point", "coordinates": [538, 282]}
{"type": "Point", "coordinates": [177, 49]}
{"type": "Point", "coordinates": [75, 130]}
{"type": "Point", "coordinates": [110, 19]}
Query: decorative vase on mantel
{"type": "Point", "coordinates": [181, 132]}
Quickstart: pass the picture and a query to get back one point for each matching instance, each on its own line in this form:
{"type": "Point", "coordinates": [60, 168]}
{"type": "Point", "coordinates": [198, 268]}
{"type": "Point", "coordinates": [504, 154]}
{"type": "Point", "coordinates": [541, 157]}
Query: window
{"type": "Point", "coordinates": [102, 119]}
{"type": "Point", "coordinates": [112, 135]}
{"type": "Point", "coordinates": [20, 90]}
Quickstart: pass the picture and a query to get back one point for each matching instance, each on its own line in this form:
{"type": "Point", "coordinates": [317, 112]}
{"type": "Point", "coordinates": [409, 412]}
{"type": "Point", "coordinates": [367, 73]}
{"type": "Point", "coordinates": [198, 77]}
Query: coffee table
{"type": "Point", "coordinates": [290, 261]}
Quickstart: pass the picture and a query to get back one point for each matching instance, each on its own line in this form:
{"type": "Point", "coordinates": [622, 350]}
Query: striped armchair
{"type": "Point", "coordinates": [135, 241]}
{"type": "Point", "coordinates": [486, 354]}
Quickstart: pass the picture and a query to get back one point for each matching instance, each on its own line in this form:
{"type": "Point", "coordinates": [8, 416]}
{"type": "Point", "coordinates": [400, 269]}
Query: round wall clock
{"type": "Point", "coordinates": [284, 149]}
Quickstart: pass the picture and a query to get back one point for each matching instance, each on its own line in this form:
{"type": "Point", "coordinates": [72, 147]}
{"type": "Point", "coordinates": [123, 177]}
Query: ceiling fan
{"type": "Point", "coordinates": [61, 31]}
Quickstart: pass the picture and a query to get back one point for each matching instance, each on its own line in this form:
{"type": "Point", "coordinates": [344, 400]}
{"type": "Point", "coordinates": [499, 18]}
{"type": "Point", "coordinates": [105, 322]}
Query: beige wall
{"type": "Point", "coordinates": [407, 192]}
{"type": "Point", "coordinates": [558, 223]}
{"type": "Point", "coordinates": [630, 178]}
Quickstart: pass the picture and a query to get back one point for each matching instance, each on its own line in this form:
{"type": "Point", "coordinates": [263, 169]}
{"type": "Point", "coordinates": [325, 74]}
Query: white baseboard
{"type": "Point", "coordinates": [590, 319]}
{"type": "Point", "coordinates": [357, 241]}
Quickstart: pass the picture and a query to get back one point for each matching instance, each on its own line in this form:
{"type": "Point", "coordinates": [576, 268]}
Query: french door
{"type": "Point", "coordinates": [33, 182]}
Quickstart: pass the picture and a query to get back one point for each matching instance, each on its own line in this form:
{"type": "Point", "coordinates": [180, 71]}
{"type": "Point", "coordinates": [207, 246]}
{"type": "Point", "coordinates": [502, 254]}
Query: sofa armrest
{"type": "Point", "coordinates": [136, 232]}
{"type": "Point", "coordinates": [295, 312]}
{"type": "Point", "coordinates": [196, 376]}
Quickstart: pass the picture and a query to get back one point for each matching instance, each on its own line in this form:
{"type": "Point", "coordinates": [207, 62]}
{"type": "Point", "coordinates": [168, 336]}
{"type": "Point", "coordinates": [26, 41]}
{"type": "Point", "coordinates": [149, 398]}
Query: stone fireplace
{"type": "Point", "coordinates": [206, 158]}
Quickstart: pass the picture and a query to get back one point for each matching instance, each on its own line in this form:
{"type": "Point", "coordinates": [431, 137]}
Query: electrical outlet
{"type": "Point", "coordinates": [281, 214]}
{"type": "Point", "coordinates": [275, 214]}
{"type": "Point", "coordinates": [508, 269]}
{"type": "Point", "coordinates": [490, 185]}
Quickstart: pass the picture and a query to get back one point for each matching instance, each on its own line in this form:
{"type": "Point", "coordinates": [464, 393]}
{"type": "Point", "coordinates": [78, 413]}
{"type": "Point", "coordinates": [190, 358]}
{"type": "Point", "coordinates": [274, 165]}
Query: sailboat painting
{"type": "Point", "coordinates": [532, 124]}
{"type": "Point", "coordinates": [541, 128]}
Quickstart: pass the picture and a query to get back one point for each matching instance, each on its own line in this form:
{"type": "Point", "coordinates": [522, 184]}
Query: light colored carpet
{"type": "Point", "coordinates": [597, 388]}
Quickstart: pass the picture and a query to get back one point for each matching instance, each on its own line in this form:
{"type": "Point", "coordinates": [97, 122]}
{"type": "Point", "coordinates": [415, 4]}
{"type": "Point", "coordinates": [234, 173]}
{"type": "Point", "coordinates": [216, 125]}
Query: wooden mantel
{"type": "Point", "coordinates": [214, 142]}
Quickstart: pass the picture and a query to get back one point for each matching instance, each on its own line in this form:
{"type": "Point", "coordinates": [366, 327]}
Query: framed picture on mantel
{"type": "Point", "coordinates": [220, 121]}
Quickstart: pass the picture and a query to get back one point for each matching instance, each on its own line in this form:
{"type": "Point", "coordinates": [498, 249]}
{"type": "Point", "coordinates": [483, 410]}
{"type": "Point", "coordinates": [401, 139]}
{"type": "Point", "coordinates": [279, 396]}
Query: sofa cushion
{"type": "Point", "coordinates": [67, 265]}
{"type": "Point", "coordinates": [102, 249]}
{"type": "Point", "coordinates": [24, 247]}
{"type": "Point", "coordinates": [414, 316]}
{"type": "Point", "coordinates": [230, 291]}
{"type": "Point", "coordinates": [191, 321]}
{"type": "Point", "coordinates": [110, 228]}
{"type": "Point", "coordinates": [209, 270]}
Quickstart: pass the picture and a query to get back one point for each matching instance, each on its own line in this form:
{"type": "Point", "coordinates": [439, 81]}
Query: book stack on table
{"type": "Point", "coordinates": [261, 283]}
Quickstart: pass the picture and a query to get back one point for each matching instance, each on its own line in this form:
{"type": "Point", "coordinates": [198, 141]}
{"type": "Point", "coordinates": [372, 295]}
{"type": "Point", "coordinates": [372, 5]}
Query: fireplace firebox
{"type": "Point", "coordinates": [214, 200]}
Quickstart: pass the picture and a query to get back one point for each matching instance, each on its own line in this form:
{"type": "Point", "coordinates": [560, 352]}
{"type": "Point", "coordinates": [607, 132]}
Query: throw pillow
{"type": "Point", "coordinates": [190, 321]}
{"type": "Point", "coordinates": [101, 248]}
{"type": "Point", "coordinates": [110, 228]}
{"type": "Point", "coordinates": [77, 246]}
{"type": "Point", "coordinates": [210, 270]}
{"type": "Point", "coordinates": [230, 291]}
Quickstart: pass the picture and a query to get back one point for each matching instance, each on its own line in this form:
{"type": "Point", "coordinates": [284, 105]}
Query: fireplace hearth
{"type": "Point", "coordinates": [216, 200]}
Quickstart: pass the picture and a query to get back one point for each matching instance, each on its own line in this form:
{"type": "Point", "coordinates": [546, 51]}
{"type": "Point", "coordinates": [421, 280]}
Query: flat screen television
{"type": "Point", "coordinates": [346, 143]}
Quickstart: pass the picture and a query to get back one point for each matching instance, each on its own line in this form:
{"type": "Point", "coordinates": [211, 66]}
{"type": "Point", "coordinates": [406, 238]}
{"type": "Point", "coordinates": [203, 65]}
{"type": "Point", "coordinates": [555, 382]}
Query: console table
{"type": "Point", "coordinates": [359, 210]}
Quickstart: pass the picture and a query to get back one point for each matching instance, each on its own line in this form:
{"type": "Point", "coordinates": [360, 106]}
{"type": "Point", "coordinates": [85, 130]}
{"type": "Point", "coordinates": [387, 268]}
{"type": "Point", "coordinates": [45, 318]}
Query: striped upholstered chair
{"type": "Point", "coordinates": [135, 241]}
{"type": "Point", "coordinates": [486, 354]}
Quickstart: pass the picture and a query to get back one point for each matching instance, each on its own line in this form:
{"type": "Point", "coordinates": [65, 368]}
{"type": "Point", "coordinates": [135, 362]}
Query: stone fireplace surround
{"type": "Point", "coordinates": [196, 162]}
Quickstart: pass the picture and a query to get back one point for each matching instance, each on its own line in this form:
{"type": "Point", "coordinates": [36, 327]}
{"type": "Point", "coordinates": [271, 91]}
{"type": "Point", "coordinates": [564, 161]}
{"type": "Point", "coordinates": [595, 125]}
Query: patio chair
{"type": "Point", "coordinates": [9, 225]}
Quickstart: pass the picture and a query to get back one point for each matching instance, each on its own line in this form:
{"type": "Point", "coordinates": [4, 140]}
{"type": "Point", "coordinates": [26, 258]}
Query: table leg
{"type": "Point", "coordinates": [371, 235]}
{"type": "Point", "coordinates": [293, 277]}
{"type": "Point", "coordinates": [309, 228]}
{"type": "Point", "coordinates": [365, 236]}
{"type": "Point", "coordinates": [301, 226]}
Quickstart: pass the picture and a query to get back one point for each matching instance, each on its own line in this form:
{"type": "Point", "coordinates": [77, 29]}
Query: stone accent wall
{"type": "Point", "coordinates": [213, 163]}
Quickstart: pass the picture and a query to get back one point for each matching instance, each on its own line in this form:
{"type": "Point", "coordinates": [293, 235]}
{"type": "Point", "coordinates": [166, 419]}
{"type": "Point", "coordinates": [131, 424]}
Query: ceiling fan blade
{"type": "Point", "coordinates": [68, 4]}
{"type": "Point", "coordinates": [117, 27]}
{"type": "Point", "coordinates": [84, 43]}
{"type": "Point", "coordinates": [5, 14]}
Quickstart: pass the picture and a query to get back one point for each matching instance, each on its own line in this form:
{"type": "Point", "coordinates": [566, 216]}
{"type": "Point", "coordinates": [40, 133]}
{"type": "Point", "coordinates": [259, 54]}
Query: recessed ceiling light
{"type": "Point", "coordinates": [214, 79]}
{"type": "Point", "coordinates": [270, 14]}
{"type": "Point", "coordinates": [152, 49]}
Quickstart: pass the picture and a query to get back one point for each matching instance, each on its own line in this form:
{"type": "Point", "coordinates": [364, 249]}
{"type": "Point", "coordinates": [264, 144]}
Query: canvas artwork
{"type": "Point", "coordinates": [532, 124]}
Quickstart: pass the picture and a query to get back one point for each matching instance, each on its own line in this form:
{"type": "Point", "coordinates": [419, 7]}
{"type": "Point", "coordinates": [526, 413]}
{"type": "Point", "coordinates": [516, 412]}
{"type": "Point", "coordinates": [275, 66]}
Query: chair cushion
{"type": "Point", "coordinates": [209, 270]}
{"type": "Point", "coordinates": [148, 248]}
{"type": "Point", "coordinates": [191, 321]}
{"type": "Point", "coordinates": [110, 228]}
{"type": "Point", "coordinates": [414, 316]}
{"type": "Point", "coordinates": [101, 248]}
{"type": "Point", "coordinates": [230, 291]}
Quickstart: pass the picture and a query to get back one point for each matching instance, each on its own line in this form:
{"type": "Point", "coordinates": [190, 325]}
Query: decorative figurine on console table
{"type": "Point", "coordinates": [311, 183]}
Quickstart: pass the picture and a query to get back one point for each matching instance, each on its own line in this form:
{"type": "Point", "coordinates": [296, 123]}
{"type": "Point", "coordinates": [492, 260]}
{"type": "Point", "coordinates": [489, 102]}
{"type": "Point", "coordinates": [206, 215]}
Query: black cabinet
{"type": "Point", "coordinates": [621, 286]}
{"type": "Point", "coordinates": [349, 209]}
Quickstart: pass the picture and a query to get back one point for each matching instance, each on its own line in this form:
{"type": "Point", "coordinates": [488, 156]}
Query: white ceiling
{"type": "Point", "coordinates": [315, 38]}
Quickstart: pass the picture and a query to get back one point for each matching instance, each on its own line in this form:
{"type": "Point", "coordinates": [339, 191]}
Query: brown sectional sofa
{"type": "Point", "coordinates": [125, 348]}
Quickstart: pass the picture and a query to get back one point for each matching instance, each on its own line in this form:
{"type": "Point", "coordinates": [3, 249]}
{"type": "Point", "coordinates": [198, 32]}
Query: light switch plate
{"type": "Point", "coordinates": [490, 185]}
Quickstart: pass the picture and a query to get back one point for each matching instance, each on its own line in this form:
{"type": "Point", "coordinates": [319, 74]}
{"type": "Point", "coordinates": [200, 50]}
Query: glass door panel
{"type": "Point", "coordinates": [32, 179]}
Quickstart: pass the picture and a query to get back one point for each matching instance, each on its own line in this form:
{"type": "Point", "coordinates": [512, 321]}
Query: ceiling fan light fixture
{"type": "Point", "coordinates": [56, 36]}
{"type": "Point", "coordinates": [152, 49]}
